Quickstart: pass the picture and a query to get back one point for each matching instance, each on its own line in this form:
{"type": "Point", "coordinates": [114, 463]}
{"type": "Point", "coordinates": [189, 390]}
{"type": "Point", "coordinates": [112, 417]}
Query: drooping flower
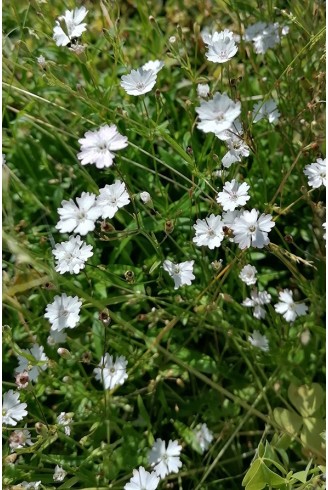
{"type": "Point", "coordinates": [181, 273]}
{"type": "Point", "coordinates": [265, 36]}
{"type": "Point", "coordinates": [248, 274]}
{"type": "Point", "coordinates": [316, 173]}
{"type": "Point", "coordinates": [72, 255]}
{"type": "Point", "coordinates": [288, 308]}
{"type": "Point", "coordinates": [203, 89]}
{"type": "Point", "coordinates": [78, 218]}
{"type": "Point", "coordinates": [203, 436]}
{"type": "Point", "coordinates": [65, 419]}
{"type": "Point", "coordinates": [256, 301]}
{"type": "Point", "coordinates": [56, 337]}
{"type": "Point", "coordinates": [12, 409]}
{"type": "Point", "coordinates": [165, 460]}
{"type": "Point", "coordinates": [145, 197]}
{"type": "Point", "coordinates": [111, 198]}
{"type": "Point", "coordinates": [259, 341]}
{"type": "Point", "coordinates": [139, 82]}
{"type": "Point", "coordinates": [222, 47]}
{"type": "Point", "coordinates": [41, 61]}
{"type": "Point", "coordinates": [111, 373]}
{"type": "Point", "coordinates": [64, 312]}
{"type": "Point", "coordinates": [209, 232]}
{"type": "Point", "coordinates": [19, 439]}
{"type": "Point", "coordinates": [74, 28]}
{"type": "Point", "coordinates": [32, 367]}
{"type": "Point", "coordinates": [154, 66]}
{"type": "Point", "coordinates": [217, 115]}
{"type": "Point", "coordinates": [250, 229]}
{"type": "Point", "coordinates": [233, 195]}
{"type": "Point", "coordinates": [142, 480]}
{"type": "Point", "coordinates": [267, 109]}
{"type": "Point", "coordinates": [98, 146]}
{"type": "Point", "coordinates": [59, 473]}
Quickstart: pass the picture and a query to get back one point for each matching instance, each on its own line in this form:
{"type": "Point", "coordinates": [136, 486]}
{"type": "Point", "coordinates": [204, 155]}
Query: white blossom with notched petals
{"type": "Point", "coordinates": [233, 195]}
{"type": "Point", "coordinates": [222, 47]}
{"type": "Point", "coordinates": [181, 273]}
{"type": "Point", "coordinates": [209, 231]}
{"type": "Point", "coordinates": [165, 460]}
{"type": "Point", "coordinates": [32, 367]}
{"type": "Point", "coordinates": [250, 229]}
{"type": "Point", "coordinates": [259, 341]}
{"type": "Point", "coordinates": [256, 301]}
{"type": "Point", "coordinates": [154, 66]}
{"type": "Point", "coordinates": [203, 436]}
{"type": "Point", "coordinates": [139, 82]}
{"type": "Point", "coordinates": [266, 110]}
{"type": "Point", "coordinates": [64, 312]}
{"type": "Point", "coordinates": [111, 198]}
{"type": "Point", "coordinates": [316, 173]}
{"type": "Point", "coordinates": [265, 36]}
{"type": "Point", "coordinates": [111, 373]}
{"type": "Point", "coordinates": [19, 439]}
{"type": "Point", "coordinates": [248, 274]}
{"type": "Point", "coordinates": [78, 218]}
{"type": "Point", "coordinates": [74, 28]}
{"type": "Point", "coordinates": [59, 473]}
{"type": "Point", "coordinates": [12, 409]}
{"type": "Point", "coordinates": [287, 306]}
{"type": "Point", "coordinates": [72, 255]}
{"type": "Point", "coordinates": [65, 419]}
{"type": "Point", "coordinates": [142, 480]}
{"type": "Point", "coordinates": [217, 115]}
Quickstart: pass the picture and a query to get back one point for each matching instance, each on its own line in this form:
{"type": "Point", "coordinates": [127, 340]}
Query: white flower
{"type": "Point", "coordinates": [56, 337]}
{"type": "Point", "coordinates": [250, 229]}
{"type": "Point", "coordinates": [74, 28]}
{"type": "Point", "coordinates": [266, 109]}
{"type": "Point", "coordinates": [142, 480]}
{"type": "Point", "coordinates": [12, 409]}
{"type": "Point", "coordinates": [63, 312]}
{"type": "Point", "coordinates": [33, 485]}
{"type": "Point", "coordinates": [218, 114]}
{"type": "Point", "coordinates": [222, 47]}
{"type": "Point", "coordinates": [316, 173]}
{"type": "Point", "coordinates": [165, 460]}
{"type": "Point", "coordinates": [65, 419]}
{"type": "Point", "coordinates": [139, 81]}
{"type": "Point", "coordinates": [254, 30]}
{"type": "Point", "coordinates": [59, 473]}
{"type": "Point", "coordinates": [111, 198]}
{"type": "Point", "coordinates": [78, 218]}
{"type": "Point", "coordinates": [248, 274]}
{"type": "Point", "coordinates": [98, 146]}
{"type": "Point", "coordinates": [32, 367]}
{"type": "Point", "coordinates": [154, 66]}
{"type": "Point", "coordinates": [72, 255]}
{"type": "Point", "coordinates": [233, 195]}
{"type": "Point", "coordinates": [203, 436]}
{"type": "Point", "coordinates": [203, 90]}
{"type": "Point", "coordinates": [19, 439]}
{"type": "Point", "coordinates": [257, 300]}
{"type": "Point", "coordinates": [181, 273]}
{"type": "Point", "coordinates": [41, 61]}
{"type": "Point", "coordinates": [288, 308]}
{"type": "Point", "coordinates": [145, 197]}
{"type": "Point", "coordinates": [236, 145]}
{"type": "Point", "coordinates": [259, 341]}
{"type": "Point", "coordinates": [209, 232]}
{"type": "Point", "coordinates": [229, 217]}
{"type": "Point", "coordinates": [111, 373]}
{"type": "Point", "coordinates": [264, 36]}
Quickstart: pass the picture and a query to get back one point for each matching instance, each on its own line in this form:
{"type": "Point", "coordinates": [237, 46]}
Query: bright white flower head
{"type": "Point", "coordinates": [265, 36]}
{"type": "Point", "coordinates": [12, 409]}
{"type": "Point", "coordinates": [228, 217]}
{"type": "Point", "coordinates": [217, 115]}
{"type": "Point", "coordinates": [72, 255]}
{"type": "Point", "coordinates": [267, 110]}
{"type": "Point", "coordinates": [64, 312]}
{"type": "Point", "coordinates": [251, 230]}
{"type": "Point", "coordinates": [236, 145]}
{"type": "Point", "coordinates": [203, 436]}
{"type": "Point", "coordinates": [316, 173]}
{"type": "Point", "coordinates": [203, 89]}
{"type": "Point", "coordinates": [32, 485]}
{"type": "Point", "coordinates": [111, 373]}
{"type": "Point", "coordinates": [222, 47]}
{"type": "Point", "coordinates": [65, 419]}
{"type": "Point", "coordinates": [74, 28]}
{"type": "Point", "coordinates": [145, 197]}
{"type": "Point", "coordinates": [142, 480]}
{"type": "Point", "coordinates": [19, 439]}
{"type": "Point", "coordinates": [59, 473]}
{"type": "Point", "coordinates": [209, 232]}
{"type": "Point", "coordinates": [259, 341]}
{"type": "Point", "coordinates": [139, 82]}
{"type": "Point", "coordinates": [154, 66]}
{"type": "Point", "coordinates": [111, 198]}
{"type": "Point", "coordinates": [98, 146]}
{"type": "Point", "coordinates": [288, 308]}
{"type": "Point", "coordinates": [233, 195]}
{"type": "Point", "coordinates": [181, 273]}
{"type": "Point", "coordinates": [56, 337]}
{"type": "Point", "coordinates": [165, 460]}
{"type": "Point", "coordinates": [248, 275]}
{"type": "Point", "coordinates": [78, 218]}
{"type": "Point", "coordinates": [35, 367]}
{"type": "Point", "coordinates": [256, 301]}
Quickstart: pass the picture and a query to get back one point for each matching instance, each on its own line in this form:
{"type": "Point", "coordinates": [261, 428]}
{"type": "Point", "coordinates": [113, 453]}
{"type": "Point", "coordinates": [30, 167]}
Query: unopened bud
{"type": "Point", "coordinates": [169, 227]}
{"type": "Point", "coordinates": [64, 353]}
{"type": "Point", "coordinates": [104, 317]}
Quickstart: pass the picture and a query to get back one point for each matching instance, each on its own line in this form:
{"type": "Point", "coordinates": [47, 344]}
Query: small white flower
{"type": "Point", "coordinates": [64, 312]}
{"type": "Point", "coordinates": [59, 473]}
{"type": "Point", "coordinates": [316, 173]}
{"type": "Point", "coordinates": [41, 61]}
{"type": "Point", "coordinates": [65, 419]}
{"type": "Point", "coordinates": [248, 274]}
{"type": "Point", "coordinates": [12, 409]}
{"type": "Point", "coordinates": [203, 90]}
{"type": "Point", "coordinates": [19, 439]}
{"type": "Point", "coordinates": [35, 367]}
{"type": "Point", "coordinates": [288, 308]}
{"type": "Point", "coordinates": [111, 373]}
{"type": "Point", "coordinates": [254, 30]}
{"type": "Point", "coordinates": [209, 231]}
{"type": "Point", "coordinates": [139, 81]}
{"type": "Point", "coordinates": [256, 301]}
{"type": "Point", "coordinates": [203, 436]}
{"type": "Point", "coordinates": [251, 230]}
{"type": "Point", "coordinates": [98, 146]}
{"type": "Point", "coordinates": [259, 341]}
{"type": "Point", "coordinates": [72, 255]}
{"type": "Point", "coordinates": [264, 36]}
{"type": "Point", "coordinates": [172, 39]}
{"type": "Point", "coordinates": [111, 198]}
{"type": "Point", "coordinates": [266, 109]}
{"type": "Point", "coordinates": [78, 218]}
{"type": "Point", "coordinates": [217, 115]}
{"type": "Point", "coordinates": [181, 273]}
{"type": "Point", "coordinates": [74, 28]}
{"type": "Point", "coordinates": [142, 480]}
{"type": "Point", "coordinates": [33, 485]}
{"type": "Point", "coordinates": [233, 195]}
{"type": "Point", "coordinates": [56, 337]}
{"type": "Point", "coordinates": [165, 460]}
{"type": "Point", "coordinates": [154, 66]}
{"type": "Point", "coordinates": [145, 197]}
{"type": "Point", "coordinates": [222, 47]}
{"type": "Point", "coordinates": [229, 217]}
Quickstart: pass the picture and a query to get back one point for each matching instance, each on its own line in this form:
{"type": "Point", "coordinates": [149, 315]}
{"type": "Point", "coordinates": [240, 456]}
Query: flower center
{"type": "Point", "coordinates": [176, 269]}
{"type": "Point", "coordinates": [252, 228]}
{"type": "Point", "coordinates": [112, 370]}
{"type": "Point", "coordinates": [140, 86]}
{"type": "Point", "coordinates": [210, 233]}
{"type": "Point", "coordinates": [220, 116]}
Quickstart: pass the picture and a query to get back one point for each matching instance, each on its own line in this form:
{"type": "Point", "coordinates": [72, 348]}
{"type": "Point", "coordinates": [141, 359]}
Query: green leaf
{"type": "Point", "coordinates": [289, 421]}
{"type": "Point", "coordinates": [310, 435]}
{"type": "Point", "coordinates": [197, 360]}
{"type": "Point", "coordinates": [307, 399]}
